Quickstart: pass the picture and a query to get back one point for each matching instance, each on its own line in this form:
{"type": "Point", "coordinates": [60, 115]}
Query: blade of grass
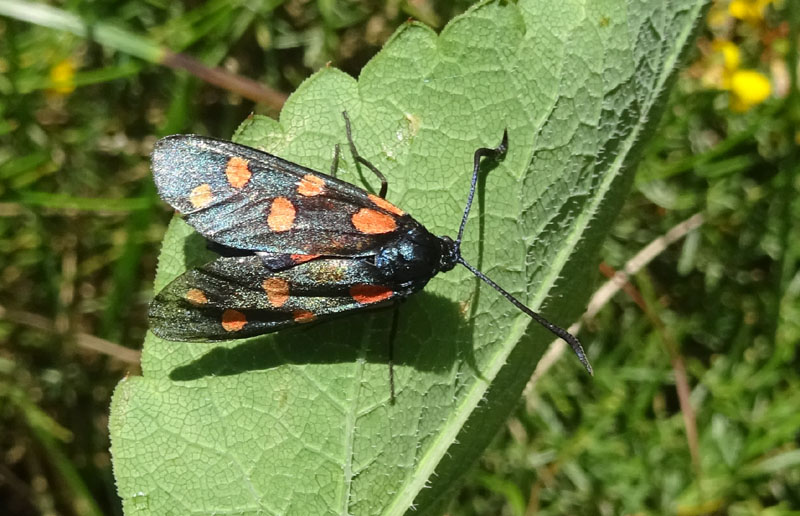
{"type": "Point", "coordinates": [85, 78]}
{"type": "Point", "coordinates": [103, 33]}
{"type": "Point", "coordinates": [789, 167]}
{"type": "Point", "coordinates": [125, 41]}
{"type": "Point", "coordinates": [645, 298]}
{"type": "Point", "coordinates": [781, 462]}
{"type": "Point", "coordinates": [507, 489]}
{"type": "Point", "coordinates": [125, 269]}
{"type": "Point", "coordinates": [608, 289]}
{"type": "Point", "coordinates": [84, 340]}
{"type": "Point", "coordinates": [57, 201]}
{"type": "Point", "coordinates": [47, 433]}
{"type": "Point", "coordinates": [721, 149]}
{"type": "Point", "coordinates": [125, 272]}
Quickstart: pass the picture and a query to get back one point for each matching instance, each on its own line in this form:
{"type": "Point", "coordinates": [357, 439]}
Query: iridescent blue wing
{"type": "Point", "coordinates": [248, 199]}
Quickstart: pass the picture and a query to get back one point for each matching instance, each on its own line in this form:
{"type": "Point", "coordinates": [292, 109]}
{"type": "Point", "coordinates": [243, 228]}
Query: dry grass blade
{"type": "Point", "coordinates": [84, 340]}
{"type": "Point", "coordinates": [604, 294]}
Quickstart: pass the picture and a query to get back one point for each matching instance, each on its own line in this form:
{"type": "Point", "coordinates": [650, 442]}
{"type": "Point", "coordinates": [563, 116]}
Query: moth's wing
{"type": "Point", "coordinates": [273, 261]}
{"type": "Point", "coordinates": [237, 297]}
{"type": "Point", "coordinates": [248, 199]}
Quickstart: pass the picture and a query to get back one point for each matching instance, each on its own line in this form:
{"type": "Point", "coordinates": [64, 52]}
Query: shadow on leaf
{"type": "Point", "coordinates": [431, 336]}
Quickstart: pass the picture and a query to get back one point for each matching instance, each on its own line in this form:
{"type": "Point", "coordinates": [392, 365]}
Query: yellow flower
{"type": "Point", "coordinates": [748, 88]}
{"type": "Point", "coordinates": [731, 55]}
{"type": "Point", "coordinates": [62, 76]}
{"type": "Point", "coordinates": [748, 10]}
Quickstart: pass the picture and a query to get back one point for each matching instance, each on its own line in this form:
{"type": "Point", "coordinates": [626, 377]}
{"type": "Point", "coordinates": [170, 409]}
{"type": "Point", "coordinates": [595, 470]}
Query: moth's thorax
{"type": "Point", "coordinates": [413, 258]}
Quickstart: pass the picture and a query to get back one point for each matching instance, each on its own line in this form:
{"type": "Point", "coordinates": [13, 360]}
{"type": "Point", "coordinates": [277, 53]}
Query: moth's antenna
{"type": "Point", "coordinates": [555, 330]}
{"type": "Point", "coordinates": [483, 151]}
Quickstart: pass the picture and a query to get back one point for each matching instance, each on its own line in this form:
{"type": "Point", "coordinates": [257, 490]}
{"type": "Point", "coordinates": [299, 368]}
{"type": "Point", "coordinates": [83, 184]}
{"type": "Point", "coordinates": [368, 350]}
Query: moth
{"type": "Point", "coordinates": [296, 245]}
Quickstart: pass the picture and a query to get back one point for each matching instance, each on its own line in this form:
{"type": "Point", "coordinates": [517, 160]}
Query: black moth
{"type": "Point", "coordinates": [297, 245]}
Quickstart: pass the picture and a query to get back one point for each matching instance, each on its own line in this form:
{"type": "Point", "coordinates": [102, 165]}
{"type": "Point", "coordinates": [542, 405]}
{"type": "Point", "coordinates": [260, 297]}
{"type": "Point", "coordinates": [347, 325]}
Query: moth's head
{"type": "Point", "coordinates": [449, 253]}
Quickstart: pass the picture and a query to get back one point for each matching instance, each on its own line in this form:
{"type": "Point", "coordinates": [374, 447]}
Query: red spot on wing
{"type": "Point", "coordinates": [201, 196]}
{"type": "Point", "coordinates": [373, 222]}
{"type": "Point", "coordinates": [386, 205]}
{"type": "Point", "coordinates": [237, 172]}
{"type": "Point", "coordinates": [303, 316]}
{"type": "Point", "coordinates": [302, 258]}
{"type": "Point", "coordinates": [233, 320]}
{"type": "Point", "coordinates": [281, 215]}
{"type": "Point", "coordinates": [310, 185]}
{"type": "Point", "coordinates": [368, 294]}
{"type": "Point", "coordinates": [196, 296]}
{"type": "Point", "coordinates": [277, 290]}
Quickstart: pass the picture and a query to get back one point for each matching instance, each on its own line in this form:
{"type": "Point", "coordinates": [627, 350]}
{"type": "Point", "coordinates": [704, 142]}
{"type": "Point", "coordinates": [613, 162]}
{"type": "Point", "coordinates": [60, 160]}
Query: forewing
{"type": "Point", "coordinates": [237, 297]}
{"type": "Point", "coordinates": [248, 199]}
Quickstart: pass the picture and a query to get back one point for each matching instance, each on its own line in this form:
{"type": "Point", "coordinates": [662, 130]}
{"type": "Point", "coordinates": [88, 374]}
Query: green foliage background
{"type": "Point", "coordinates": [80, 226]}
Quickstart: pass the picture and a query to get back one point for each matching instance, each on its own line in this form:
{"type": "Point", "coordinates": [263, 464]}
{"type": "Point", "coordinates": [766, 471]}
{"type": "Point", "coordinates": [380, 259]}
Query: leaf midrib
{"type": "Point", "coordinates": [429, 461]}
{"type": "Point", "coordinates": [352, 416]}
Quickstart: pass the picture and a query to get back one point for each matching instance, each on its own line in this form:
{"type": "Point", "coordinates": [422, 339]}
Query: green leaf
{"type": "Point", "coordinates": [300, 422]}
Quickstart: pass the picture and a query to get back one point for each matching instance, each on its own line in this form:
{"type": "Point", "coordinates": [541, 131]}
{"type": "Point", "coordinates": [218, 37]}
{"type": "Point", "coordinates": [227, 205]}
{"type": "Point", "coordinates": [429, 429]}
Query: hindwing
{"type": "Point", "coordinates": [237, 297]}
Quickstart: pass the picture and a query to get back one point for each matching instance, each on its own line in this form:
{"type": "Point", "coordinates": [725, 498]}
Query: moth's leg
{"type": "Point", "coordinates": [363, 161]}
{"type": "Point", "coordinates": [392, 335]}
{"type": "Point", "coordinates": [335, 164]}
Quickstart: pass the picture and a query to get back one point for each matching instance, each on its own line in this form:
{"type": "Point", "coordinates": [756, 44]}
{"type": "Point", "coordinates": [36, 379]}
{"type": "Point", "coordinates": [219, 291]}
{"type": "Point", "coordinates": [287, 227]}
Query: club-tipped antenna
{"type": "Point", "coordinates": [555, 330]}
{"type": "Point", "coordinates": [480, 153]}
{"type": "Point", "coordinates": [559, 332]}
